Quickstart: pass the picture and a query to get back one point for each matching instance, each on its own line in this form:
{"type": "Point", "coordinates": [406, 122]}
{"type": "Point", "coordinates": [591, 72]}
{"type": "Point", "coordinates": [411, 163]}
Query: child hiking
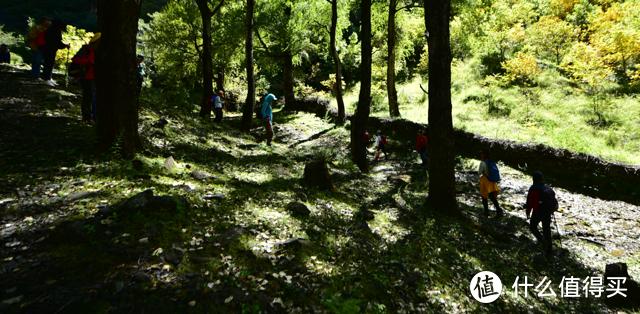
{"type": "Point", "coordinates": [489, 176]}
{"type": "Point", "coordinates": [421, 147]}
{"type": "Point", "coordinates": [267, 118]}
{"type": "Point", "coordinates": [381, 141]}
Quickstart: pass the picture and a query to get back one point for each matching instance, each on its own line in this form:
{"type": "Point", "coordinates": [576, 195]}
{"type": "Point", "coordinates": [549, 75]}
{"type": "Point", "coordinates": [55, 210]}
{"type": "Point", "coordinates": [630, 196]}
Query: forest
{"type": "Point", "coordinates": [153, 205]}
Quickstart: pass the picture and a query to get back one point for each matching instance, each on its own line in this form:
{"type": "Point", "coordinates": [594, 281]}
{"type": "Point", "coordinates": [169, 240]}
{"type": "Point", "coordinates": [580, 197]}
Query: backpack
{"type": "Point", "coordinates": [75, 69]}
{"type": "Point", "coordinates": [548, 202]}
{"type": "Point", "coordinates": [384, 140]}
{"type": "Point", "coordinates": [209, 100]}
{"type": "Point", "coordinates": [494, 173]}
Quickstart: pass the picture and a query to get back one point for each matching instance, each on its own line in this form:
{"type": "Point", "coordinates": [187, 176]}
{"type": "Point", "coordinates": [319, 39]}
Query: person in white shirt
{"type": "Point", "coordinates": [218, 105]}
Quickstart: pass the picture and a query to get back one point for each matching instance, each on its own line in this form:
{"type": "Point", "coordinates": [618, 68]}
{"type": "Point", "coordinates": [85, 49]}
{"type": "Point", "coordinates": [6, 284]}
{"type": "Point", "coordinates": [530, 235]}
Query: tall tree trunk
{"type": "Point", "coordinates": [247, 111]}
{"type": "Point", "coordinates": [391, 61]}
{"type": "Point", "coordinates": [289, 95]}
{"type": "Point", "coordinates": [442, 172]}
{"type": "Point", "coordinates": [115, 74]}
{"type": "Point", "coordinates": [336, 60]}
{"type": "Point", "coordinates": [220, 79]}
{"type": "Point", "coordinates": [364, 100]}
{"type": "Point", "coordinates": [207, 64]}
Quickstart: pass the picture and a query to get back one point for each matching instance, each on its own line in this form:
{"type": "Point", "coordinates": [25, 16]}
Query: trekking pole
{"type": "Point", "coordinates": [557, 229]}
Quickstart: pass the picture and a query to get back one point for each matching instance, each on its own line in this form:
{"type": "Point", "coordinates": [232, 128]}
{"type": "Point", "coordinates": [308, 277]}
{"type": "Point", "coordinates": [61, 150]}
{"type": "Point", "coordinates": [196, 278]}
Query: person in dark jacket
{"type": "Point", "coordinates": [533, 202]}
{"type": "Point", "coordinates": [86, 58]}
{"type": "Point", "coordinates": [36, 39]}
{"type": "Point", "coordinates": [5, 54]}
{"type": "Point", "coordinates": [53, 42]}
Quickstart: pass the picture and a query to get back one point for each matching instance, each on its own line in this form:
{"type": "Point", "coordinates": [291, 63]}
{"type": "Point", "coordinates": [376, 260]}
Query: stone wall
{"type": "Point", "coordinates": [564, 167]}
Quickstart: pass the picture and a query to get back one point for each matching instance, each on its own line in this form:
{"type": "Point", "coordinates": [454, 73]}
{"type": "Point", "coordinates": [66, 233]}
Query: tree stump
{"type": "Point", "coordinates": [316, 173]}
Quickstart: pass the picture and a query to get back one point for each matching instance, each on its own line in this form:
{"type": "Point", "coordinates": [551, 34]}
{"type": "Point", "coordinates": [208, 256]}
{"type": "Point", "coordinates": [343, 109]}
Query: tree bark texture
{"type": "Point", "coordinates": [391, 61]}
{"type": "Point", "coordinates": [247, 111]}
{"type": "Point", "coordinates": [364, 100]}
{"type": "Point", "coordinates": [289, 95]}
{"type": "Point", "coordinates": [220, 80]}
{"type": "Point", "coordinates": [116, 74]}
{"type": "Point", "coordinates": [336, 60]}
{"type": "Point", "coordinates": [207, 63]}
{"type": "Point", "coordinates": [442, 192]}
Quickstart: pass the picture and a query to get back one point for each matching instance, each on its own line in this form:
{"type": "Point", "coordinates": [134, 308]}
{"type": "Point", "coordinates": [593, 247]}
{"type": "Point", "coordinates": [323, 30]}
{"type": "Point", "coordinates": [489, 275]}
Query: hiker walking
{"type": "Point", "coordinates": [367, 139]}
{"type": "Point", "coordinates": [541, 199]}
{"type": "Point", "coordinates": [141, 72]}
{"type": "Point", "coordinates": [421, 146]}
{"type": "Point", "coordinates": [52, 42]}
{"type": "Point", "coordinates": [86, 58]}
{"type": "Point", "coordinates": [489, 176]}
{"type": "Point", "coordinates": [267, 118]}
{"type": "Point", "coordinates": [36, 39]}
{"type": "Point", "coordinates": [5, 54]}
{"type": "Point", "coordinates": [218, 105]}
{"type": "Point", "coordinates": [381, 141]}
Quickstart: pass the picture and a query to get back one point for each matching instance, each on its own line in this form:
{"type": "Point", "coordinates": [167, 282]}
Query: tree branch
{"type": "Point", "coordinates": [422, 88]}
{"type": "Point", "coordinates": [217, 8]}
{"type": "Point", "coordinates": [408, 6]}
{"type": "Point", "coordinates": [261, 41]}
{"type": "Point", "coordinates": [321, 25]}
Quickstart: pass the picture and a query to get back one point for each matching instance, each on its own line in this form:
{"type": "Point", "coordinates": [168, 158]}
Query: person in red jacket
{"type": "Point", "coordinates": [86, 58]}
{"type": "Point", "coordinates": [533, 201]}
{"type": "Point", "coordinates": [421, 147]}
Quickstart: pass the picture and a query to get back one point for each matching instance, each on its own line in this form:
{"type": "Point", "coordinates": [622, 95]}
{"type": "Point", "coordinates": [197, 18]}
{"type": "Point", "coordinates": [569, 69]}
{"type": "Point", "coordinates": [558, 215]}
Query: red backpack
{"type": "Point", "coordinates": [384, 140]}
{"type": "Point", "coordinates": [212, 98]}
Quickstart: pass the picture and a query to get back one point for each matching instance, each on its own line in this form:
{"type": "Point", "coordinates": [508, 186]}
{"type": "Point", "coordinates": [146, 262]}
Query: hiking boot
{"type": "Point", "coordinates": [545, 244]}
{"type": "Point", "coordinates": [51, 83]}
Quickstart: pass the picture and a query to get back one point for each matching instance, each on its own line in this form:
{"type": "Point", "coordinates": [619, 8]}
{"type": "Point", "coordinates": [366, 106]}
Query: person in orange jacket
{"type": "Point", "coordinates": [86, 58]}
{"type": "Point", "coordinates": [421, 147]}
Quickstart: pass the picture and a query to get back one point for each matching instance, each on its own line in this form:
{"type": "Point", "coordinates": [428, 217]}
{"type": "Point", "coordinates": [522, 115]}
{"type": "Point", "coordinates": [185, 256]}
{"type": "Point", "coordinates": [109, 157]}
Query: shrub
{"type": "Point", "coordinates": [521, 70]}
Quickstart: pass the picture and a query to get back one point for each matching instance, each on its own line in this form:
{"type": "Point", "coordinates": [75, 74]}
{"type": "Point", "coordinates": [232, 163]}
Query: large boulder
{"type": "Point", "coordinates": [146, 202]}
{"type": "Point", "coordinates": [630, 287]}
{"type": "Point", "coordinates": [316, 173]}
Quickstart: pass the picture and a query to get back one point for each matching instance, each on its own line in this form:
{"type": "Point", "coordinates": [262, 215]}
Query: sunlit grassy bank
{"type": "Point", "coordinates": [553, 112]}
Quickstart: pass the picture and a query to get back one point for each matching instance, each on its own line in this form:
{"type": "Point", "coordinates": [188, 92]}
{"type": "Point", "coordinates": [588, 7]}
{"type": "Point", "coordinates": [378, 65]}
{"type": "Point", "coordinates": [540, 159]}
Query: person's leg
{"type": "Point", "coordinates": [49, 59]}
{"type": "Point", "coordinates": [269, 132]}
{"type": "Point", "coordinates": [423, 155]}
{"type": "Point", "coordinates": [546, 231]}
{"type": "Point", "coordinates": [494, 200]}
{"type": "Point", "coordinates": [35, 66]}
{"type": "Point", "coordinates": [216, 115]}
{"type": "Point", "coordinates": [88, 91]}
{"type": "Point", "coordinates": [485, 205]}
{"type": "Point", "coordinates": [384, 151]}
{"type": "Point", "coordinates": [533, 226]}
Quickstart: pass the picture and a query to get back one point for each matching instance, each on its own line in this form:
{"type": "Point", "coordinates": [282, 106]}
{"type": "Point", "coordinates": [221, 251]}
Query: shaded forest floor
{"type": "Point", "coordinates": [214, 235]}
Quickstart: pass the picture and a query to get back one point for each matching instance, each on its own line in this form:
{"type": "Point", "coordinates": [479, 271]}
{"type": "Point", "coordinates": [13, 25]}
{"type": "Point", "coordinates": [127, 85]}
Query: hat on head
{"type": "Point", "coordinates": [95, 38]}
{"type": "Point", "coordinates": [537, 176]}
{"type": "Point", "coordinates": [486, 153]}
{"type": "Point", "coordinates": [140, 56]}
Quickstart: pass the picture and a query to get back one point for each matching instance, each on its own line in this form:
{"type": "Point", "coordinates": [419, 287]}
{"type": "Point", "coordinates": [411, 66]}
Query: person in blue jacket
{"type": "Point", "coordinates": [5, 55]}
{"type": "Point", "coordinates": [267, 118]}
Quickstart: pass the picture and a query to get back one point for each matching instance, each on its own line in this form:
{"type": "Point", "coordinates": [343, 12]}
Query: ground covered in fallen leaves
{"type": "Point", "coordinates": [202, 221]}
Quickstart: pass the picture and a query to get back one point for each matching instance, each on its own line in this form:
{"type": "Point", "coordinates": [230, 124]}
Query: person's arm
{"type": "Point", "coordinates": [481, 168]}
{"type": "Point", "coordinates": [263, 111]}
{"type": "Point", "coordinates": [33, 33]}
{"type": "Point", "coordinates": [80, 60]}
{"type": "Point", "coordinates": [418, 144]}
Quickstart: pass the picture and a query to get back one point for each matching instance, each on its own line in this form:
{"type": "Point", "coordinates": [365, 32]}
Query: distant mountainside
{"type": "Point", "coordinates": [79, 13]}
